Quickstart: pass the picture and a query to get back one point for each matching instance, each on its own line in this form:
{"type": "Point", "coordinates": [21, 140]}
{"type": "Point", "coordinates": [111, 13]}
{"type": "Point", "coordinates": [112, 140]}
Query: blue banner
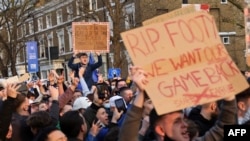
{"type": "Point", "coordinates": [32, 56]}
{"type": "Point", "coordinates": [114, 72]}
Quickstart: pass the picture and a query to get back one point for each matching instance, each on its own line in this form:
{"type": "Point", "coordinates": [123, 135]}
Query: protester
{"type": "Point", "coordinates": [84, 62]}
{"type": "Point", "coordinates": [171, 126]}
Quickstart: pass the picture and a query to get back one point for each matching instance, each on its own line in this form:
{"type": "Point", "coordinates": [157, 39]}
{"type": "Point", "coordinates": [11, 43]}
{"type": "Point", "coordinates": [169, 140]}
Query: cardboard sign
{"type": "Point", "coordinates": [186, 61]}
{"type": "Point", "coordinates": [24, 77]}
{"type": "Point", "coordinates": [13, 79]}
{"type": "Point", "coordinates": [90, 36]}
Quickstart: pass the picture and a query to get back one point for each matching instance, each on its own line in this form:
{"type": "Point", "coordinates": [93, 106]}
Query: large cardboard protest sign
{"type": "Point", "coordinates": [90, 36]}
{"type": "Point", "coordinates": [186, 61]}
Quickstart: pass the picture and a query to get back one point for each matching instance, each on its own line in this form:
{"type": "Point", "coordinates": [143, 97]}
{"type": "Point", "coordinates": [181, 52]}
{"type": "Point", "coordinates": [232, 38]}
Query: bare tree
{"type": "Point", "coordinates": [13, 14]}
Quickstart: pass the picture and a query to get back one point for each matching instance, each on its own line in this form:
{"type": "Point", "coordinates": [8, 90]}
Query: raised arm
{"type": "Point", "coordinates": [98, 63]}
{"type": "Point", "coordinates": [85, 89]}
{"type": "Point", "coordinates": [71, 60]}
{"type": "Point", "coordinates": [227, 116]}
{"type": "Point", "coordinates": [131, 123]}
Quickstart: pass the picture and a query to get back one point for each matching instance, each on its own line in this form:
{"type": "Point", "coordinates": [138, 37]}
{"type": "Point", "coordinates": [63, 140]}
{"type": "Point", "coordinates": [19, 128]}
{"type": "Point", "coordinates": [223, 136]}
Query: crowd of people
{"type": "Point", "coordinates": [108, 110]}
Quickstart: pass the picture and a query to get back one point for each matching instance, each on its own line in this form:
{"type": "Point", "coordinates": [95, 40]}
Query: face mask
{"type": "Point", "coordinates": [112, 87]}
{"type": "Point", "coordinates": [242, 120]}
{"type": "Point", "coordinates": [106, 105]}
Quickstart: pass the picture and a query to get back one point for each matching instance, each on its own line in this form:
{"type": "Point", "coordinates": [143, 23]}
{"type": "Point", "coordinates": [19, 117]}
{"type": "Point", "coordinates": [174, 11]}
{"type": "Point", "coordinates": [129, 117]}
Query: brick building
{"type": "Point", "coordinates": [229, 19]}
{"type": "Point", "coordinates": [50, 26]}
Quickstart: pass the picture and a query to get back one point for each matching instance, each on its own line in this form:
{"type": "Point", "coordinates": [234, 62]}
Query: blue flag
{"type": "Point", "coordinates": [95, 72]}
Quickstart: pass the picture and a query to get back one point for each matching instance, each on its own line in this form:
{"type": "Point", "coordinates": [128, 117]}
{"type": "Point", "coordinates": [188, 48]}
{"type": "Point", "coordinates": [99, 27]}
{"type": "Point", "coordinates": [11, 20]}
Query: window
{"type": "Point", "coordinates": [69, 29]}
{"type": "Point", "coordinates": [41, 48]}
{"type": "Point", "coordinates": [40, 23]}
{"type": "Point", "coordinates": [20, 55]}
{"type": "Point", "coordinates": [223, 1]}
{"type": "Point", "coordinates": [31, 27]}
{"type": "Point", "coordinates": [225, 40]}
{"type": "Point", "coordinates": [129, 16]}
{"type": "Point", "coordinates": [61, 44]}
{"type": "Point", "coordinates": [110, 23]}
{"type": "Point", "coordinates": [23, 28]}
{"type": "Point", "coordinates": [70, 12]}
{"type": "Point", "coordinates": [50, 39]}
{"type": "Point", "coordinates": [48, 21]}
{"type": "Point", "coordinates": [59, 16]}
{"type": "Point", "coordinates": [93, 5]}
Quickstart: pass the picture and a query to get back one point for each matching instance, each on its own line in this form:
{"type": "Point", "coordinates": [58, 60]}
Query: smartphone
{"type": "Point", "coordinates": [120, 105]}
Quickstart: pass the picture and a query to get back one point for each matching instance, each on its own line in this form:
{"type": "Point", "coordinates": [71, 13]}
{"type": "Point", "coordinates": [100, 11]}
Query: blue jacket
{"type": "Point", "coordinates": [88, 71]}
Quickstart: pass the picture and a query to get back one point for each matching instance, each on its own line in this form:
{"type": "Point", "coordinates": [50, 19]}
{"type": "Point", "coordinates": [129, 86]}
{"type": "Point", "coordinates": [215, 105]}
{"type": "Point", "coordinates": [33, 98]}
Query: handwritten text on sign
{"type": "Point", "coordinates": [90, 36]}
{"type": "Point", "coordinates": [186, 61]}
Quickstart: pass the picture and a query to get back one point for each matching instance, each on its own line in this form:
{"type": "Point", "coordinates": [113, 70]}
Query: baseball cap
{"type": "Point", "coordinates": [81, 103]}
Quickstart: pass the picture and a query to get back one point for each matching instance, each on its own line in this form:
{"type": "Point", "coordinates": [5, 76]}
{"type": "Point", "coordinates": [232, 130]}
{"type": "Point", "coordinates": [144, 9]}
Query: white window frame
{"type": "Point", "coordinates": [128, 11]}
{"type": "Point", "coordinates": [61, 43]}
{"type": "Point", "coordinates": [50, 39]}
{"type": "Point", "coordinates": [224, 38]}
{"type": "Point", "coordinates": [23, 27]}
{"type": "Point", "coordinates": [59, 16]}
{"type": "Point", "coordinates": [223, 1]}
{"type": "Point", "coordinates": [92, 6]}
{"type": "Point", "coordinates": [31, 27]}
{"type": "Point", "coordinates": [111, 26]}
{"type": "Point", "coordinates": [42, 47]}
{"type": "Point", "coordinates": [48, 21]}
{"type": "Point", "coordinates": [70, 12]}
{"type": "Point", "coordinates": [69, 29]}
{"type": "Point", "coordinates": [40, 23]}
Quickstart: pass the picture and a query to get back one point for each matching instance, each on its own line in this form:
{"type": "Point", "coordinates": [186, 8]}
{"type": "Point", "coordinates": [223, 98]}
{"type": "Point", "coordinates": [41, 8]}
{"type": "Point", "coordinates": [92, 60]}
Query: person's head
{"type": "Point", "coordinates": [169, 126]}
{"type": "Point", "coordinates": [83, 58]}
{"type": "Point", "coordinates": [147, 107]}
{"type": "Point", "coordinates": [21, 103]}
{"type": "Point", "coordinates": [73, 125]}
{"type": "Point", "coordinates": [39, 120]}
{"type": "Point", "coordinates": [77, 93]}
{"type": "Point", "coordinates": [120, 83]}
{"type": "Point", "coordinates": [210, 110]}
{"type": "Point", "coordinates": [243, 102]}
{"type": "Point", "coordinates": [81, 104]}
{"type": "Point", "coordinates": [100, 93]}
{"type": "Point", "coordinates": [51, 133]}
{"type": "Point", "coordinates": [113, 83]}
{"type": "Point", "coordinates": [126, 93]}
{"type": "Point", "coordinates": [102, 115]}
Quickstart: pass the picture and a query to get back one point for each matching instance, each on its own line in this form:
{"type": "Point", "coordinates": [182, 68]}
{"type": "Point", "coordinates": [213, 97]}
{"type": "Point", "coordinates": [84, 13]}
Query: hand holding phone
{"type": "Point", "coordinates": [120, 105]}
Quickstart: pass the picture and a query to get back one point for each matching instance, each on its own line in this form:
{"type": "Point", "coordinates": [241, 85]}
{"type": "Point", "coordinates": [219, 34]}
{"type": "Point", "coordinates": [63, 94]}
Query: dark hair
{"type": "Point", "coordinates": [123, 89]}
{"type": "Point", "coordinates": [82, 54]}
{"type": "Point", "coordinates": [39, 120]}
{"type": "Point", "coordinates": [117, 81]}
{"type": "Point", "coordinates": [43, 134]}
{"type": "Point", "coordinates": [71, 123]}
{"type": "Point", "coordinates": [19, 100]}
{"type": "Point", "coordinates": [244, 95]}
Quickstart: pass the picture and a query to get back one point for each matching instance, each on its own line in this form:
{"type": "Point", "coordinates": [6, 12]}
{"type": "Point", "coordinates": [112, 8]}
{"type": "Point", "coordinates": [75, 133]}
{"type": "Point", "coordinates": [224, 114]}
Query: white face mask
{"type": "Point", "coordinates": [106, 105]}
{"type": "Point", "coordinates": [112, 87]}
{"type": "Point", "coordinates": [245, 118]}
